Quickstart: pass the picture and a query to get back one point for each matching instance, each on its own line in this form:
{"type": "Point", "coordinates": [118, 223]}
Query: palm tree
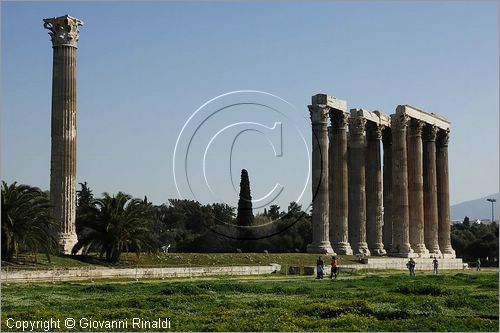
{"type": "Point", "coordinates": [26, 221]}
{"type": "Point", "coordinates": [115, 224]}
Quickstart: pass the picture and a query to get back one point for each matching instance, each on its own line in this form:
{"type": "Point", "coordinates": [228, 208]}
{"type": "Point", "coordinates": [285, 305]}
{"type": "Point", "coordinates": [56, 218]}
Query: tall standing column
{"type": "Point", "coordinates": [64, 34]}
{"type": "Point", "coordinates": [357, 199]}
{"type": "Point", "coordinates": [339, 182]}
{"type": "Point", "coordinates": [320, 224]}
{"type": "Point", "coordinates": [400, 226]}
{"type": "Point", "coordinates": [443, 192]}
{"type": "Point", "coordinates": [430, 190]}
{"type": "Point", "coordinates": [387, 188]}
{"type": "Point", "coordinates": [416, 188]}
{"type": "Point", "coordinates": [374, 189]}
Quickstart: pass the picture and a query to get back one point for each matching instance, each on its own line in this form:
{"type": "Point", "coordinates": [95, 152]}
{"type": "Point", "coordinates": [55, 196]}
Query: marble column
{"type": "Point", "coordinates": [400, 226]}
{"type": "Point", "coordinates": [416, 188]}
{"type": "Point", "coordinates": [338, 188]}
{"type": "Point", "coordinates": [387, 188]}
{"type": "Point", "coordinates": [64, 34]}
{"type": "Point", "coordinates": [430, 190]}
{"type": "Point", "coordinates": [357, 198]}
{"type": "Point", "coordinates": [320, 217]}
{"type": "Point", "coordinates": [443, 194]}
{"type": "Point", "coordinates": [373, 171]}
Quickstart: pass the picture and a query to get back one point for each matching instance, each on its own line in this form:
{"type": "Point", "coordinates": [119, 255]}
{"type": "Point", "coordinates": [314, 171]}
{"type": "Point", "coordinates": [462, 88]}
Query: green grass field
{"type": "Point", "coordinates": [452, 301]}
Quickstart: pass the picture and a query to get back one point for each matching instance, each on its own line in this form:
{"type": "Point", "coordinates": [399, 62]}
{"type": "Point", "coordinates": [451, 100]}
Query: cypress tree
{"type": "Point", "coordinates": [245, 215]}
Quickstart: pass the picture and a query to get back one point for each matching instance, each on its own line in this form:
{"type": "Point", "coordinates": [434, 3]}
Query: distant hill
{"type": "Point", "coordinates": [475, 209]}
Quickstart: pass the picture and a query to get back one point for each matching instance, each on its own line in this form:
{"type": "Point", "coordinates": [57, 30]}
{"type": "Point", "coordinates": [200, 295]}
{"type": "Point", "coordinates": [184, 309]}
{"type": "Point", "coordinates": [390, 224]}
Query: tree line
{"type": "Point", "coordinates": [113, 224]}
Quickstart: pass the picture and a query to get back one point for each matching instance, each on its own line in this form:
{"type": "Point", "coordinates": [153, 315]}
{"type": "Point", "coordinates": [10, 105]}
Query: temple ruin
{"type": "Point", "coordinates": [379, 183]}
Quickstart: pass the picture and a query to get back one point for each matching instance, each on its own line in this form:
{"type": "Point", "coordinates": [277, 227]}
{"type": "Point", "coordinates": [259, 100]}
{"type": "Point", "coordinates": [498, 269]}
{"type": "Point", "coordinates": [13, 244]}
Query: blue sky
{"type": "Point", "coordinates": [144, 68]}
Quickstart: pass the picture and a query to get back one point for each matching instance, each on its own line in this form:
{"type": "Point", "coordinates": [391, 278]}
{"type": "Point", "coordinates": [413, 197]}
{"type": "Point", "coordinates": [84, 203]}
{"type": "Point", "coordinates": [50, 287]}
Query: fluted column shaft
{"type": "Point", "coordinates": [443, 192]}
{"type": "Point", "coordinates": [374, 189]}
{"type": "Point", "coordinates": [64, 34]}
{"type": "Point", "coordinates": [320, 217]}
{"type": "Point", "coordinates": [339, 182]}
{"type": "Point", "coordinates": [416, 188]}
{"type": "Point", "coordinates": [357, 199]}
{"type": "Point", "coordinates": [387, 188]}
{"type": "Point", "coordinates": [401, 241]}
{"type": "Point", "coordinates": [430, 190]}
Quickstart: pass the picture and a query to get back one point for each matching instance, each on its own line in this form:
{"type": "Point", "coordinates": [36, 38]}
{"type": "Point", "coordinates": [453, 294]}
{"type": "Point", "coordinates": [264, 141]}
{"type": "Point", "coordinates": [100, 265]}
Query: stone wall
{"type": "Point", "coordinates": [90, 273]}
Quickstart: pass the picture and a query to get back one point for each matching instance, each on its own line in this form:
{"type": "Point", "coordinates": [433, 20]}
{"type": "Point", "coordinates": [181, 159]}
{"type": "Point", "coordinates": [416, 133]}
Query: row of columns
{"type": "Point", "coordinates": [405, 215]}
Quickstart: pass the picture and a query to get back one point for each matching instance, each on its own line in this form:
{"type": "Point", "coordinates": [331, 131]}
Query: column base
{"type": "Point", "coordinates": [448, 256]}
{"type": "Point", "coordinates": [66, 242]}
{"type": "Point", "coordinates": [421, 250]}
{"type": "Point", "coordinates": [362, 247]}
{"type": "Point", "coordinates": [377, 249]}
{"type": "Point", "coordinates": [342, 248]}
{"type": "Point", "coordinates": [434, 251]}
{"type": "Point", "coordinates": [403, 251]}
{"type": "Point", "coordinates": [321, 247]}
{"type": "Point", "coordinates": [448, 253]}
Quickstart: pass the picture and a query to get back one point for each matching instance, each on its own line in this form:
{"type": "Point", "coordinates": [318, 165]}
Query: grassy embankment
{"type": "Point", "coordinates": [172, 260]}
{"type": "Point", "coordinates": [452, 301]}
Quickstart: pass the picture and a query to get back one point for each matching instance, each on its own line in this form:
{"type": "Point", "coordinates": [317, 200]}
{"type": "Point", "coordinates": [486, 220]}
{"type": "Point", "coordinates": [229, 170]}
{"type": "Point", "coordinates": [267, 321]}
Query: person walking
{"type": "Point", "coordinates": [334, 270]}
{"type": "Point", "coordinates": [411, 266]}
{"type": "Point", "coordinates": [319, 268]}
{"type": "Point", "coordinates": [478, 264]}
{"type": "Point", "coordinates": [435, 265]}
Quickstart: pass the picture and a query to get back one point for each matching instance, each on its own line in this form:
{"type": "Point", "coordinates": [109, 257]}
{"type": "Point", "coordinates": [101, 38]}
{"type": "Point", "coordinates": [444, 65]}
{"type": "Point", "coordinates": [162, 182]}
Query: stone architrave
{"type": "Point", "coordinates": [416, 188]}
{"type": "Point", "coordinates": [400, 226]}
{"type": "Point", "coordinates": [320, 216]}
{"type": "Point", "coordinates": [443, 193]}
{"type": "Point", "coordinates": [387, 187]}
{"type": "Point", "coordinates": [430, 190]}
{"type": "Point", "coordinates": [338, 177]}
{"type": "Point", "coordinates": [357, 198]}
{"type": "Point", "coordinates": [373, 172]}
{"type": "Point", "coordinates": [64, 34]}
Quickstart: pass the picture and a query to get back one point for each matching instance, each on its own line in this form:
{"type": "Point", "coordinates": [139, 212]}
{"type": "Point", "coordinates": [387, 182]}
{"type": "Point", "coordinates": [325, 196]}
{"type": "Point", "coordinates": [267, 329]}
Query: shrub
{"type": "Point", "coordinates": [432, 290]}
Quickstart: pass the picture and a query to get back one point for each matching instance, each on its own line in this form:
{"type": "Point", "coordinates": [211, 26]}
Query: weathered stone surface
{"type": "Point", "coordinates": [415, 188]}
{"type": "Point", "coordinates": [373, 171]}
{"type": "Point", "coordinates": [426, 117]}
{"type": "Point", "coordinates": [400, 226]}
{"type": "Point", "coordinates": [338, 185]}
{"type": "Point", "coordinates": [320, 213]}
{"type": "Point", "coordinates": [430, 190]}
{"type": "Point", "coordinates": [387, 188]}
{"type": "Point", "coordinates": [357, 198]}
{"type": "Point", "coordinates": [329, 101]}
{"type": "Point", "coordinates": [64, 33]}
{"type": "Point", "coordinates": [63, 30]}
{"type": "Point", "coordinates": [443, 191]}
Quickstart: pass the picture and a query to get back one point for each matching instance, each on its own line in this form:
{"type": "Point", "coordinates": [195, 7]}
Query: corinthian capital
{"type": "Point", "coordinates": [374, 131]}
{"type": "Point", "coordinates": [319, 113]}
{"type": "Point", "coordinates": [429, 133]}
{"type": "Point", "coordinates": [357, 125]}
{"type": "Point", "coordinates": [63, 30]}
{"type": "Point", "coordinates": [387, 137]}
{"type": "Point", "coordinates": [399, 121]}
{"type": "Point", "coordinates": [339, 119]}
{"type": "Point", "coordinates": [443, 137]}
{"type": "Point", "coordinates": [416, 126]}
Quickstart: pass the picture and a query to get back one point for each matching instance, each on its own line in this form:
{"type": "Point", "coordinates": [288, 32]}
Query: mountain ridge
{"type": "Point", "coordinates": [475, 208]}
